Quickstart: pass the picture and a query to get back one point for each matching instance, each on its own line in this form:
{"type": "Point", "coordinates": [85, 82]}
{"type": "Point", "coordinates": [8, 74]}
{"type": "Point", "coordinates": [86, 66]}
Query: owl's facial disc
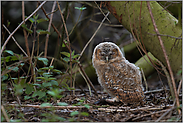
{"type": "Point", "coordinates": [107, 54]}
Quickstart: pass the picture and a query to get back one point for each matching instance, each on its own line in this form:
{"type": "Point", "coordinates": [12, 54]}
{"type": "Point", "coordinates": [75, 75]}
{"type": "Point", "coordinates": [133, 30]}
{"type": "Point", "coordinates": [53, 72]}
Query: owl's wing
{"type": "Point", "coordinates": [126, 76]}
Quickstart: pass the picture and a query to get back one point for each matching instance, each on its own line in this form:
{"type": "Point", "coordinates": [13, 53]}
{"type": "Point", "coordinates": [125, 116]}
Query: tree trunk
{"type": "Point", "coordinates": [134, 16]}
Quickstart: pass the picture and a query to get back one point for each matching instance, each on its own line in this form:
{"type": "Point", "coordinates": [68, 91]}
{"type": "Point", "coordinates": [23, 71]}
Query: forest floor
{"type": "Point", "coordinates": [158, 107]}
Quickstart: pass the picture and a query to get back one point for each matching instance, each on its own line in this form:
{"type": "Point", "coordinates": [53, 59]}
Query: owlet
{"type": "Point", "coordinates": [120, 78]}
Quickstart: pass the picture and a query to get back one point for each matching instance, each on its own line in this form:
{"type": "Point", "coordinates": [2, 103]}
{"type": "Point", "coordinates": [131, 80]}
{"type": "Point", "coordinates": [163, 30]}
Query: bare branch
{"type": "Point", "coordinates": [20, 26]}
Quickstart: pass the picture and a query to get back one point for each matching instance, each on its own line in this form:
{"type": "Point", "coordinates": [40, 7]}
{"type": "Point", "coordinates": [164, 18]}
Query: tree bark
{"type": "Point", "coordinates": [134, 16]}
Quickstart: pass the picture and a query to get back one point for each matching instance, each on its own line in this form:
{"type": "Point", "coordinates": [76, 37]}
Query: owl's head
{"type": "Point", "coordinates": [107, 52]}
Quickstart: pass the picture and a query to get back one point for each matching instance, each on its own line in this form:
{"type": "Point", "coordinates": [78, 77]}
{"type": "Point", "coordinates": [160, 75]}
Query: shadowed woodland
{"type": "Point", "coordinates": [46, 69]}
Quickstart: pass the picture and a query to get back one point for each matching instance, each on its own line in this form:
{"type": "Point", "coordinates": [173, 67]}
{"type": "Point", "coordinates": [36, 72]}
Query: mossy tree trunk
{"type": "Point", "coordinates": [134, 16]}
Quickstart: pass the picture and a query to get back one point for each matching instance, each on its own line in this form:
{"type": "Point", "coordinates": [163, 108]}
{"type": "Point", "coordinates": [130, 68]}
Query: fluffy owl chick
{"type": "Point", "coordinates": [120, 78]}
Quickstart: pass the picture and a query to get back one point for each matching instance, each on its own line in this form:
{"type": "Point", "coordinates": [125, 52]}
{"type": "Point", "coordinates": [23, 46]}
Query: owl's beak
{"type": "Point", "coordinates": [107, 58]}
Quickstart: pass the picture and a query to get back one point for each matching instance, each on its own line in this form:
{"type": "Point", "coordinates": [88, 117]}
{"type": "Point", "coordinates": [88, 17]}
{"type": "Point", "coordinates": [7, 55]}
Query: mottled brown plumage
{"type": "Point", "coordinates": [120, 78]}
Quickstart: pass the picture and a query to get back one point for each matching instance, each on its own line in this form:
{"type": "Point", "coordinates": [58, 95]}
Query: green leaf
{"type": "Point", "coordinates": [53, 82]}
{"type": "Point", "coordinates": [63, 45]}
{"type": "Point", "coordinates": [80, 8]}
{"type": "Point", "coordinates": [57, 71]}
{"type": "Point", "coordinates": [39, 93]}
{"type": "Point", "coordinates": [51, 67]}
{"type": "Point", "coordinates": [74, 113]}
{"type": "Point", "coordinates": [42, 20]}
{"type": "Point", "coordinates": [9, 23]}
{"type": "Point", "coordinates": [15, 69]}
{"type": "Point", "coordinates": [18, 89]}
{"type": "Point", "coordinates": [66, 59]}
{"type": "Point", "coordinates": [72, 54]}
{"type": "Point", "coordinates": [52, 93]}
{"type": "Point", "coordinates": [61, 119]}
{"type": "Point", "coordinates": [66, 54]}
{"type": "Point", "coordinates": [62, 104]}
{"type": "Point", "coordinates": [32, 20]}
{"type": "Point", "coordinates": [41, 32]}
{"type": "Point", "coordinates": [39, 85]}
{"type": "Point", "coordinates": [40, 78]}
{"type": "Point", "coordinates": [87, 106]}
{"type": "Point", "coordinates": [27, 97]}
{"type": "Point", "coordinates": [45, 104]}
{"type": "Point", "coordinates": [9, 51]}
{"type": "Point", "coordinates": [44, 60]}
{"type": "Point", "coordinates": [46, 84]}
{"type": "Point", "coordinates": [36, 17]}
{"type": "Point", "coordinates": [29, 89]}
{"type": "Point", "coordinates": [4, 77]}
{"type": "Point", "coordinates": [77, 55]}
{"type": "Point", "coordinates": [25, 27]}
{"type": "Point", "coordinates": [84, 114]}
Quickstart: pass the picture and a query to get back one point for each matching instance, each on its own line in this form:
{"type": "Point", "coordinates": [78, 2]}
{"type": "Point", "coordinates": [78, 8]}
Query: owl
{"type": "Point", "coordinates": [120, 78]}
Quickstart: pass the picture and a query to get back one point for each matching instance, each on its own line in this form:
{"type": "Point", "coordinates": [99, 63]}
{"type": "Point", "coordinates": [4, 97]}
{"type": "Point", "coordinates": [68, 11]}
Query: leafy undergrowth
{"type": "Point", "coordinates": [49, 99]}
{"type": "Point", "coordinates": [83, 107]}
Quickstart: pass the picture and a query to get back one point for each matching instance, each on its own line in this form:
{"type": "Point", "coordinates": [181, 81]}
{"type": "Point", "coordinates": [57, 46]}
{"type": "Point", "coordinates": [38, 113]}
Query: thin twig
{"type": "Point", "coordinates": [49, 26]}
{"type": "Point", "coordinates": [165, 55]}
{"type": "Point", "coordinates": [166, 36]}
{"type": "Point", "coordinates": [85, 81]}
{"type": "Point", "coordinates": [92, 36]}
{"type": "Point", "coordinates": [4, 113]}
{"type": "Point", "coordinates": [20, 26]}
{"type": "Point", "coordinates": [144, 79]}
{"type": "Point", "coordinates": [51, 64]}
{"type": "Point", "coordinates": [68, 42]}
{"type": "Point", "coordinates": [24, 31]}
{"type": "Point", "coordinates": [15, 41]}
{"type": "Point", "coordinates": [168, 78]}
{"type": "Point", "coordinates": [105, 24]}
{"type": "Point", "coordinates": [179, 87]}
{"type": "Point", "coordinates": [102, 11]}
{"type": "Point", "coordinates": [155, 91]}
{"type": "Point", "coordinates": [88, 80]}
{"type": "Point", "coordinates": [124, 109]}
{"type": "Point", "coordinates": [165, 114]}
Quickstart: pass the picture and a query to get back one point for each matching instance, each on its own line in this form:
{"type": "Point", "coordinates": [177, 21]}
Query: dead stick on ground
{"type": "Point", "coordinates": [165, 114]}
{"type": "Point", "coordinates": [57, 107]}
{"type": "Point", "coordinates": [165, 55]}
{"type": "Point", "coordinates": [20, 26]}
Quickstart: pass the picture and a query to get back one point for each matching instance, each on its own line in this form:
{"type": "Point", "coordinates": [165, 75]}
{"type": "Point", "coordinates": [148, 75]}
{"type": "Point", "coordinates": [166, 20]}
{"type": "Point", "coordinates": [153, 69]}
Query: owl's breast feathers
{"type": "Point", "coordinates": [123, 80]}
